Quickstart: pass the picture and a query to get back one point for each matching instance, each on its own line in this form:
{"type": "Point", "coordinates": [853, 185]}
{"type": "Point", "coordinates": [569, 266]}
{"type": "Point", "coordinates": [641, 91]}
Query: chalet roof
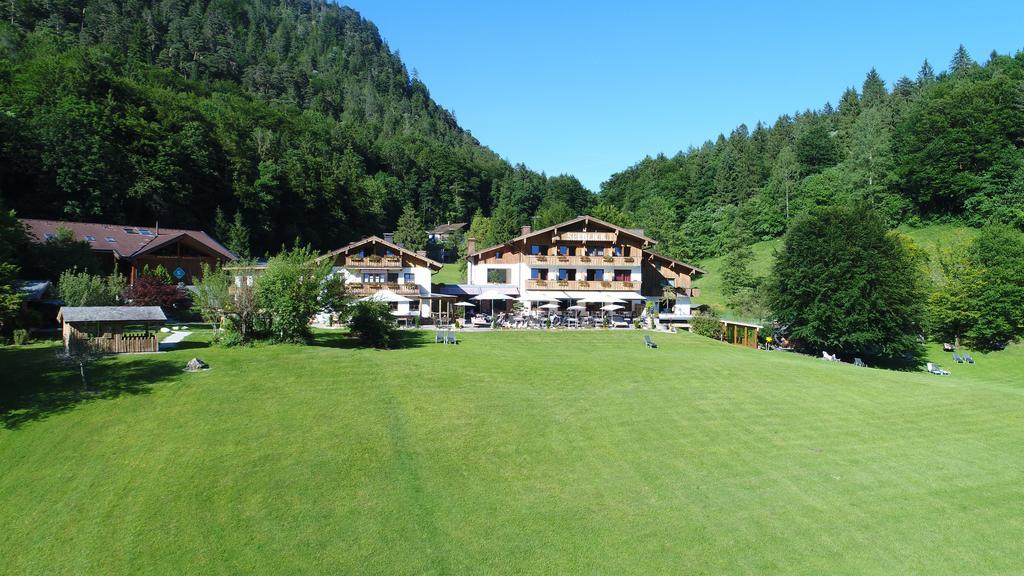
{"type": "Point", "coordinates": [673, 261]}
{"type": "Point", "coordinates": [122, 240]}
{"type": "Point", "coordinates": [634, 232]}
{"type": "Point", "coordinates": [447, 228]}
{"type": "Point", "coordinates": [429, 263]}
{"type": "Point", "coordinates": [111, 314]}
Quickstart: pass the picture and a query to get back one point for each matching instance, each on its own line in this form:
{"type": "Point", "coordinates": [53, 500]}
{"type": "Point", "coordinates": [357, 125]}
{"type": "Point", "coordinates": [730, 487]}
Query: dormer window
{"type": "Point", "coordinates": [497, 255]}
{"type": "Point", "coordinates": [90, 238]}
{"type": "Point", "coordinates": [616, 250]}
{"type": "Point", "coordinates": [110, 239]}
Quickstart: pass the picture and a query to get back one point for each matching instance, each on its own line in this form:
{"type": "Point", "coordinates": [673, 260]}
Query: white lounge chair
{"type": "Point", "coordinates": [936, 369]}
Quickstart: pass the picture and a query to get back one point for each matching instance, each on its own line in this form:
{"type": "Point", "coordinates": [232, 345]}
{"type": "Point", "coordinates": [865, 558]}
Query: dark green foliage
{"type": "Point", "coordinates": [410, 232]}
{"type": "Point", "coordinates": [58, 254]}
{"type": "Point", "coordinates": [706, 324]}
{"type": "Point", "coordinates": [981, 298]}
{"type": "Point", "coordinates": [941, 147]}
{"type": "Point", "coordinates": [844, 284]}
{"type": "Point", "coordinates": [373, 325]}
{"type": "Point", "coordinates": [20, 337]}
{"type": "Point", "coordinates": [295, 119]}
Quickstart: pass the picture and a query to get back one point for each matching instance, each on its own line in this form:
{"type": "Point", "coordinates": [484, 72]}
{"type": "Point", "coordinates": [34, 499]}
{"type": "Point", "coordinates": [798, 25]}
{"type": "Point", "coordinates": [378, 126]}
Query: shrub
{"type": "Point", "coordinates": [294, 287]}
{"type": "Point", "coordinates": [83, 289]}
{"type": "Point", "coordinates": [373, 325]}
{"type": "Point", "coordinates": [20, 336]}
{"type": "Point", "coordinates": [157, 291]}
{"type": "Point", "coordinates": [706, 324]}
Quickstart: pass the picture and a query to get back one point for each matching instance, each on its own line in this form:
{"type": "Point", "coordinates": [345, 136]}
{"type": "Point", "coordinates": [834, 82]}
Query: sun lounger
{"type": "Point", "coordinates": [957, 359]}
{"type": "Point", "coordinates": [450, 337]}
{"type": "Point", "coordinates": [936, 369]}
{"type": "Point", "coordinates": [648, 342]}
{"type": "Point", "coordinates": [859, 363]}
{"type": "Point", "coordinates": [829, 357]}
{"type": "Point", "coordinates": [968, 358]}
{"type": "Point", "coordinates": [439, 336]}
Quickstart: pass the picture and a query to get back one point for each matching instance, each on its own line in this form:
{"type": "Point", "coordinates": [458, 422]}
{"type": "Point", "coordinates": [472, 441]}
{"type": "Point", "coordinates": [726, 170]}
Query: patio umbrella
{"type": "Point", "coordinates": [603, 299]}
{"type": "Point", "coordinates": [611, 307]}
{"type": "Point", "coordinates": [551, 306]}
{"type": "Point", "coordinates": [492, 295]}
{"type": "Point", "coordinates": [464, 305]}
{"type": "Point", "coordinates": [385, 296]}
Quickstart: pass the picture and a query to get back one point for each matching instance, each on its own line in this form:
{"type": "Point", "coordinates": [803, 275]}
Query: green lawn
{"type": "Point", "coordinates": [449, 274]}
{"type": "Point", "coordinates": [514, 453]}
{"type": "Point", "coordinates": [927, 237]}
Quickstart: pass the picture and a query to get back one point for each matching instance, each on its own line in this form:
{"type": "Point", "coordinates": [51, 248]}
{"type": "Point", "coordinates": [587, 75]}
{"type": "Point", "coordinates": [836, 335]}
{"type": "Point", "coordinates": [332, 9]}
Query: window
{"type": "Point", "coordinates": [497, 255]}
{"type": "Point", "coordinates": [497, 276]}
{"type": "Point", "coordinates": [595, 275]}
{"type": "Point", "coordinates": [389, 252]}
{"type": "Point", "coordinates": [623, 275]}
{"type": "Point", "coordinates": [539, 273]}
{"type": "Point", "coordinates": [595, 251]}
{"type": "Point", "coordinates": [393, 277]}
{"type": "Point", "coordinates": [361, 253]}
{"type": "Point", "coordinates": [90, 238]}
{"type": "Point", "coordinates": [566, 273]}
{"type": "Point", "coordinates": [130, 231]}
{"type": "Point", "coordinates": [410, 278]}
{"type": "Point", "coordinates": [373, 277]}
{"type": "Point", "coordinates": [566, 250]}
{"type": "Point", "coordinates": [146, 232]}
{"type": "Point", "coordinates": [414, 306]}
{"type": "Point", "coordinates": [616, 250]}
{"type": "Point", "coordinates": [110, 239]}
{"type": "Point", "coordinates": [538, 250]}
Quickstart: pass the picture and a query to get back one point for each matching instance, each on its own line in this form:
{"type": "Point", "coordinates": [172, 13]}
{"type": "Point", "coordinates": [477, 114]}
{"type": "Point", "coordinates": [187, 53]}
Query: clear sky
{"type": "Point", "coordinates": [590, 88]}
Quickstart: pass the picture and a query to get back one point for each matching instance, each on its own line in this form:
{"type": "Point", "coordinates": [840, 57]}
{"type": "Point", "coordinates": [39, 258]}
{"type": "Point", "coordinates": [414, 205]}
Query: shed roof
{"type": "Point", "coordinates": [111, 314]}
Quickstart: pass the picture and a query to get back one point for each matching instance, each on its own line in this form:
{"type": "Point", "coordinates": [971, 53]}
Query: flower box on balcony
{"type": "Point", "coordinates": [542, 258]}
{"type": "Point", "coordinates": [563, 282]}
{"type": "Point", "coordinates": [374, 258]}
{"type": "Point", "coordinates": [609, 259]}
{"type": "Point", "coordinates": [628, 284]}
{"type": "Point", "coordinates": [355, 258]}
{"type": "Point", "coordinates": [606, 284]}
{"type": "Point", "coordinates": [584, 258]}
{"type": "Point", "coordinates": [584, 284]}
{"type": "Point", "coordinates": [356, 286]}
{"type": "Point", "coordinates": [541, 282]}
{"type": "Point", "coordinates": [563, 258]}
{"type": "Point", "coordinates": [627, 259]}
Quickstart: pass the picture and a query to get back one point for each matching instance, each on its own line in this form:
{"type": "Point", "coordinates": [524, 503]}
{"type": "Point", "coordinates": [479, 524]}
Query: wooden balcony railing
{"type": "Point", "coordinates": [373, 262]}
{"type": "Point", "coordinates": [595, 261]}
{"type": "Point", "coordinates": [582, 285]}
{"type": "Point", "coordinates": [364, 288]}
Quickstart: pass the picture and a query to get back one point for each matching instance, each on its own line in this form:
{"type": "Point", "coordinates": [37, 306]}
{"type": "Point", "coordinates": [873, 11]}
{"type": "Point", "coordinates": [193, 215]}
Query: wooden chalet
{"type": "Point", "coordinates": [129, 249]}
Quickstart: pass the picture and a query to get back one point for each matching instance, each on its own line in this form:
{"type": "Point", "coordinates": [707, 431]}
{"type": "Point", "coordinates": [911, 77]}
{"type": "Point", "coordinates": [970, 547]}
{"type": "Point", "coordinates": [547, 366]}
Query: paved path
{"type": "Point", "coordinates": [172, 340]}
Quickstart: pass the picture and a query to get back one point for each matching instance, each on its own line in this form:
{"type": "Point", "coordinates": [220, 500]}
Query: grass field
{"type": "Point", "coordinates": [449, 274]}
{"type": "Point", "coordinates": [927, 237]}
{"type": "Point", "coordinates": [515, 453]}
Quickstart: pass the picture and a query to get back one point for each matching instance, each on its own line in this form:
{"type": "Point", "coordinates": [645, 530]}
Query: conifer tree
{"type": "Point", "coordinates": [410, 233]}
{"type": "Point", "coordinates": [873, 91]}
{"type": "Point", "coordinates": [926, 74]}
{"type": "Point", "coordinates": [961, 62]}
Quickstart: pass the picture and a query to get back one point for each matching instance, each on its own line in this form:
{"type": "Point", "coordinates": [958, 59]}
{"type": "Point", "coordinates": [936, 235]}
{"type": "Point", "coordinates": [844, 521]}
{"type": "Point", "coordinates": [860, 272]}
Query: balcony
{"type": "Point", "coordinates": [375, 262]}
{"type": "Point", "coordinates": [602, 261]}
{"type": "Point", "coordinates": [367, 288]}
{"type": "Point", "coordinates": [582, 285]}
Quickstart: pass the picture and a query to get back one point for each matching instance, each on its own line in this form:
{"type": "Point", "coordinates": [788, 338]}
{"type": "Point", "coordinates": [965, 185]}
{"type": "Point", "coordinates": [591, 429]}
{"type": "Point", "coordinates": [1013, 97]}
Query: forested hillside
{"type": "Point", "coordinates": [942, 147]}
{"type": "Point", "coordinates": [294, 115]}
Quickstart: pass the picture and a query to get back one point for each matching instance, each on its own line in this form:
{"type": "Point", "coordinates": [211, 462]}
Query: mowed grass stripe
{"type": "Point", "coordinates": [529, 452]}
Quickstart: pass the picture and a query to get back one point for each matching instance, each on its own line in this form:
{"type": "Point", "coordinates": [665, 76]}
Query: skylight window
{"type": "Point", "coordinates": [90, 238]}
{"type": "Point", "coordinates": [49, 236]}
{"type": "Point", "coordinates": [146, 232]}
{"type": "Point", "coordinates": [131, 231]}
{"type": "Point", "coordinates": [110, 239]}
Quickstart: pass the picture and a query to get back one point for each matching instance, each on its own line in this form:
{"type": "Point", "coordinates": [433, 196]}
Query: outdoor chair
{"type": "Point", "coordinates": [936, 369]}
{"type": "Point", "coordinates": [968, 358]}
{"type": "Point", "coordinates": [648, 342]}
{"type": "Point", "coordinates": [829, 357]}
{"type": "Point", "coordinates": [957, 358]}
{"type": "Point", "coordinates": [859, 363]}
{"type": "Point", "coordinates": [450, 337]}
{"type": "Point", "coordinates": [439, 335]}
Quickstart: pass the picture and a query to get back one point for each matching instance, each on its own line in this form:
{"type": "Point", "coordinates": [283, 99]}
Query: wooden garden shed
{"type": "Point", "coordinates": [112, 329]}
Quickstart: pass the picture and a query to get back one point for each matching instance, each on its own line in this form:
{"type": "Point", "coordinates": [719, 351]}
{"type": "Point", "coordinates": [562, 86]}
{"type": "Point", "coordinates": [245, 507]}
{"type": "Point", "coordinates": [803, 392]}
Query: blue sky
{"type": "Point", "coordinates": [590, 88]}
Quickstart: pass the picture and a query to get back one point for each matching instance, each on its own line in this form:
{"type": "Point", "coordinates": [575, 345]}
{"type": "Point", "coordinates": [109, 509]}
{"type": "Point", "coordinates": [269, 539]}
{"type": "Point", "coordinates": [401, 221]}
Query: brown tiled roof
{"type": "Point", "coordinates": [123, 240]}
